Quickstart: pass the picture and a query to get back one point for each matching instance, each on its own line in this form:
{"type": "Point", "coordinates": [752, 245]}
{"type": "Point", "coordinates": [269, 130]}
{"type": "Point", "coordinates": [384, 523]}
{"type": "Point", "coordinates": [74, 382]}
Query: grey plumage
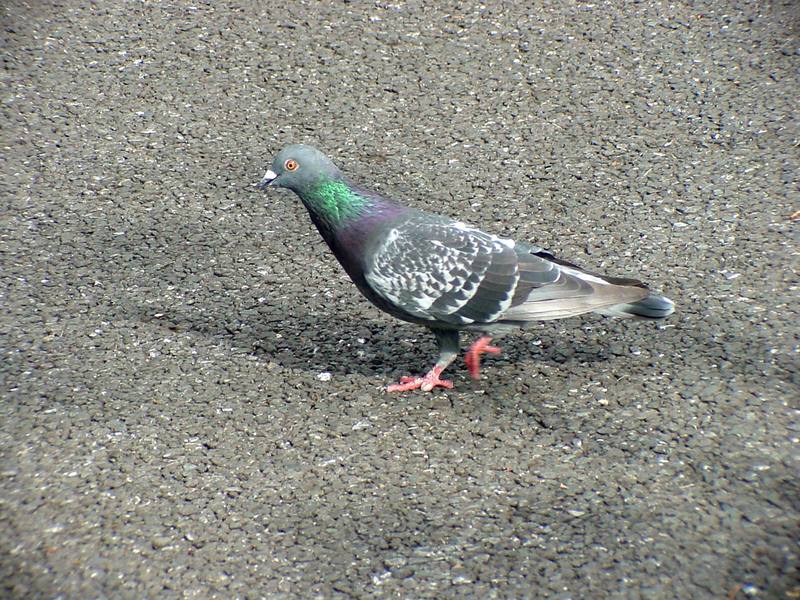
{"type": "Point", "coordinates": [449, 274]}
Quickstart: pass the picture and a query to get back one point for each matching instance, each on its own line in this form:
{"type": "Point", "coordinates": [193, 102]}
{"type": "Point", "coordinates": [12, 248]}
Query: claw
{"type": "Point", "coordinates": [426, 384]}
{"type": "Point", "coordinates": [473, 356]}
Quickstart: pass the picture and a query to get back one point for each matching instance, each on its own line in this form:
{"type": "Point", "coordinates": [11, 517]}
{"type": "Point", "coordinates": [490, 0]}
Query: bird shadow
{"type": "Point", "coordinates": [357, 342]}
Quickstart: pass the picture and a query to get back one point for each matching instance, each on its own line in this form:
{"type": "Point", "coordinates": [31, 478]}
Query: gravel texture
{"type": "Point", "coordinates": [167, 425]}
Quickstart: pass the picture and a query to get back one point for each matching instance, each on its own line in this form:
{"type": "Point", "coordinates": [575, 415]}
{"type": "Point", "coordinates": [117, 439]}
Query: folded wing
{"type": "Point", "coordinates": [448, 273]}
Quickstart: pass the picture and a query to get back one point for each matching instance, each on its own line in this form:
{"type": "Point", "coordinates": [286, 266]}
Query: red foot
{"type": "Point", "coordinates": [426, 383]}
{"type": "Point", "coordinates": [473, 356]}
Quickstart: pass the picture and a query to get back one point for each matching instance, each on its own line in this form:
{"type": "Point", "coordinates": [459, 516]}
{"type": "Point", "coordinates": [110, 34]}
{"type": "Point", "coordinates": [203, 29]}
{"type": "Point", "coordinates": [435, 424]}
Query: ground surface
{"type": "Point", "coordinates": [165, 428]}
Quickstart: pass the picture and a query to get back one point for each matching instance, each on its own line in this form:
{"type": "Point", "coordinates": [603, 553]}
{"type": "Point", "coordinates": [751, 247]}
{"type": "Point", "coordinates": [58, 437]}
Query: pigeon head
{"type": "Point", "coordinates": [299, 168]}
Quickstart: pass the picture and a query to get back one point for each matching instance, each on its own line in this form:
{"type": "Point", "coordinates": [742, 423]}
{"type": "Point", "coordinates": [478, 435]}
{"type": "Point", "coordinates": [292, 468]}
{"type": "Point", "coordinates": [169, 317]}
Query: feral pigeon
{"type": "Point", "coordinates": [437, 272]}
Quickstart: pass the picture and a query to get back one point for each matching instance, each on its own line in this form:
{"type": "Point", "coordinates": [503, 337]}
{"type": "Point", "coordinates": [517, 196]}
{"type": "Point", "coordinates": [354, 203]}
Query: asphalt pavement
{"type": "Point", "coordinates": [192, 389]}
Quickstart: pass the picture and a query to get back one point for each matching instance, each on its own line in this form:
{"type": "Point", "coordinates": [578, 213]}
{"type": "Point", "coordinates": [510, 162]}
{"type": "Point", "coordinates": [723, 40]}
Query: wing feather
{"type": "Point", "coordinates": [444, 271]}
{"type": "Point", "coordinates": [436, 270]}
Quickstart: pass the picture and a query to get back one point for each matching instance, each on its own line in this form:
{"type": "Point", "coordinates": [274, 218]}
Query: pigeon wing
{"type": "Point", "coordinates": [447, 272]}
{"type": "Point", "coordinates": [443, 271]}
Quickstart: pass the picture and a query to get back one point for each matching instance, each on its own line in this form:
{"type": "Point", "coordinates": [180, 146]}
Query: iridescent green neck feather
{"type": "Point", "coordinates": [334, 201]}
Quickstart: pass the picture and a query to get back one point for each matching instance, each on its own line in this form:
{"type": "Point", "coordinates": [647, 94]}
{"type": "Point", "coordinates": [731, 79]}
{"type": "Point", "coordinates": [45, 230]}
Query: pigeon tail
{"type": "Point", "coordinates": [654, 306]}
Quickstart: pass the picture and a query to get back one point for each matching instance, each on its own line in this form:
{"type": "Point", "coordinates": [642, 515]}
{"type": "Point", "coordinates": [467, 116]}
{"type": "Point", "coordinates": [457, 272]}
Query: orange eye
{"type": "Point", "coordinates": [291, 165]}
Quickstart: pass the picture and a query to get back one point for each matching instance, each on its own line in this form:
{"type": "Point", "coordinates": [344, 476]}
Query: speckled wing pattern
{"type": "Point", "coordinates": [444, 271]}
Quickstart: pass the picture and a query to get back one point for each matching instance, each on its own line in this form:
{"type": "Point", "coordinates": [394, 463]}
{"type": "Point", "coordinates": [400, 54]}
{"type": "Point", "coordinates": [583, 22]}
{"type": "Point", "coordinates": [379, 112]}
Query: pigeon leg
{"type": "Point", "coordinates": [473, 356]}
{"type": "Point", "coordinates": [448, 350]}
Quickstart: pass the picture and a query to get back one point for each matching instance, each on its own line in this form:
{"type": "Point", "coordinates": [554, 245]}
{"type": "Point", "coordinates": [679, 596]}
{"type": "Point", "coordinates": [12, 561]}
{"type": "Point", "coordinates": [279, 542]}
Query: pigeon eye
{"type": "Point", "coordinates": [291, 165]}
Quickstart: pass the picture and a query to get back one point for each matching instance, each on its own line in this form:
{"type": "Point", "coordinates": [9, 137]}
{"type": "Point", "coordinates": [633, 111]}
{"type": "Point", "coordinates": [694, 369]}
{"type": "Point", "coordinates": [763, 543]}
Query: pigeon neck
{"type": "Point", "coordinates": [334, 202]}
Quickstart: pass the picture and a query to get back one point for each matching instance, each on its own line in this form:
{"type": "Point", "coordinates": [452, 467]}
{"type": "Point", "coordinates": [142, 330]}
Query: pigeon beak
{"type": "Point", "coordinates": [268, 178]}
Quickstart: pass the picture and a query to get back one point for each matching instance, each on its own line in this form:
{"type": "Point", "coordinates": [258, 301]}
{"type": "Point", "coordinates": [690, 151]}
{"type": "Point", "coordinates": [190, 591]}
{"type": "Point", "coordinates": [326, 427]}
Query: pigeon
{"type": "Point", "coordinates": [432, 270]}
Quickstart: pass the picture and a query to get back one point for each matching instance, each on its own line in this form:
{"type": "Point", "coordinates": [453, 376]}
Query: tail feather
{"type": "Point", "coordinates": [653, 306]}
{"type": "Point", "coordinates": [551, 288]}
